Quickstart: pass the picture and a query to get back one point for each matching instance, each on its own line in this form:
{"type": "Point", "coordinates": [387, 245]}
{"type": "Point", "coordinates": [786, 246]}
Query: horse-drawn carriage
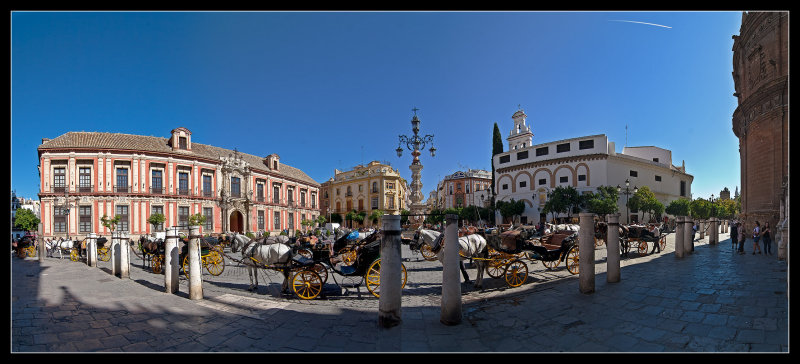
{"type": "Point", "coordinates": [26, 246]}
{"type": "Point", "coordinates": [640, 237]}
{"type": "Point", "coordinates": [152, 248]}
{"type": "Point", "coordinates": [350, 257]}
{"type": "Point", "coordinates": [305, 263]}
{"type": "Point", "coordinates": [507, 250]}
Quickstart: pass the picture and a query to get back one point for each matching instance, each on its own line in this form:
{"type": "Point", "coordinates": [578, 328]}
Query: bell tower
{"type": "Point", "coordinates": [521, 135]}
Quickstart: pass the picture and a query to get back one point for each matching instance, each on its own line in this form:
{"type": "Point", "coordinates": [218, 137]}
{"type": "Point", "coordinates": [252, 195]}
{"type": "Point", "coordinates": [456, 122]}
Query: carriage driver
{"type": "Point", "coordinates": [656, 232]}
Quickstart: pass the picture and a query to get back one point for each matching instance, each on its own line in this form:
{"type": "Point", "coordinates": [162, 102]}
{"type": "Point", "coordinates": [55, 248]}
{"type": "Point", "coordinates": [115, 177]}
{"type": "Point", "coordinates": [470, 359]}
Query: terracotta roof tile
{"type": "Point", "coordinates": [97, 140]}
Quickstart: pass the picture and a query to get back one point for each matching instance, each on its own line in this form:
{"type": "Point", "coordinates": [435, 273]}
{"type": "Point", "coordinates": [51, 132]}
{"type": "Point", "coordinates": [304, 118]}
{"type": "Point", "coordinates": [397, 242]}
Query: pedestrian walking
{"type": "Point", "coordinates": [756, 237]}
{"type": "Point", "coordinates": [767, 239]}
{"type": "Point", "coordinates": [734, 235]}
{"type": "Point", "coordinates": [741, 234]}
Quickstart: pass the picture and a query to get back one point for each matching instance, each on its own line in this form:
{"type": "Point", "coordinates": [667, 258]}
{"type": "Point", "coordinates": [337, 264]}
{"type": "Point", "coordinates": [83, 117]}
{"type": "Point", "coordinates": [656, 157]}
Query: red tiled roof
{"type": "Point", "coordinates": [78, 140]}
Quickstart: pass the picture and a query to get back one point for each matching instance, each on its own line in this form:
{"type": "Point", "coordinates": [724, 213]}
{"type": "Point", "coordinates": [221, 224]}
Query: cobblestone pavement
{"type": "Point", "coordinates": [709, 301]}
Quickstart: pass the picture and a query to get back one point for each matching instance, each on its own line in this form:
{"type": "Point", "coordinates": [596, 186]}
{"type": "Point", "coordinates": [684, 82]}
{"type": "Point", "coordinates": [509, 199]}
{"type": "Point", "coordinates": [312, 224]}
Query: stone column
{"type": "Point", "coordinates": [91, 250]}
{"type": "Point", "coordinates": [688, 243]}
{"type": "Point", "coordinates": [195, 269]}
{"type": "Point", "coordinates": [389, 302]}
{"type": "Point", "coordinates": [41, 247]}
{"type": "Point", "coordinates": [124, 256]}
{"type": "Point", "coordinates": [612, 249]}
{"type": "Point", "coordinates": [171, 260]}
{"type": "Point", "coordinates": [586, 252]}
{"type": "Point", "coordinates": [451, 281]}
{"type": "Point", "coordinates": [679, 236]}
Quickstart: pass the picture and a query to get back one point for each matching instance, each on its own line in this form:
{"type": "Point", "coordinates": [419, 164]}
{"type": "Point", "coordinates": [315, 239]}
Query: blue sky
{"type": "Point", "coordinates": [330, 90]}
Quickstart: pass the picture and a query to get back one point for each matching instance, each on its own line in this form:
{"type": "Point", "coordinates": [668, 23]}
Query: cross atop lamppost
{"type": "Point", "coordinates": [416, 143]}
{"type": "Point", "coordinates": [627, 197]}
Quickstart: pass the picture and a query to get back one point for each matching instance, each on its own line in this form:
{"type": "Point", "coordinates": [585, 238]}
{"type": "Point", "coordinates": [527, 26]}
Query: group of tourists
{"type": "Point", "coordinates": [739, 234]}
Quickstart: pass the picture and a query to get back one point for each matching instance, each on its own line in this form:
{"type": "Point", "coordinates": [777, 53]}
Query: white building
{"type": "Point", "coordinates": [528, 172]}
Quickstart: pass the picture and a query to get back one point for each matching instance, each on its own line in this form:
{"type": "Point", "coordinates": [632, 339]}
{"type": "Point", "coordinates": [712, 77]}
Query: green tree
{"type": "Point", "coordinates": [156, 220]}
{"type": "Point", "coordinates": [497, 148]}
{"type": "Point", "coordinates": [645, 200]}
{"type": "Point", "coordinates": [604, 201]}
{"type": "Point", "coordinates": [197, 219]}
{"type": "Point", "coordinates": [109, 223]}
{"type": "Point", "coordinates": [336, 218]}
{"type": "Point", "coordinates": [679, 207]}
{"type": "Point", "coordinates": [375, 216]}
{"type": "Point", "coordinates": [700, 209]}
{"type": "Point", "coordinates": [510, 209]}
{"type": "Point", "coordinates": [321, 220]}
{"type": "Point", "coordinates": [26, 220]}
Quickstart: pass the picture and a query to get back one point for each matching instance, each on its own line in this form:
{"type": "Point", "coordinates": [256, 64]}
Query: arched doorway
{"type": "Point", "coordinates": [237, 222]}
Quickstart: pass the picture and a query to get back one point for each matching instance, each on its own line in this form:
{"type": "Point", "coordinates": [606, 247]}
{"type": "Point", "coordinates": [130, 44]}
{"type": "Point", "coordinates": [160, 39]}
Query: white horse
{"type": "Point", "coordinates": [470, 246]}
{"type": "Point", "coordinates": [59, 245]}
{"type": "Point", "coordinates": [266, 252]}
{"type": "Point", "coordinates": [552, 228]}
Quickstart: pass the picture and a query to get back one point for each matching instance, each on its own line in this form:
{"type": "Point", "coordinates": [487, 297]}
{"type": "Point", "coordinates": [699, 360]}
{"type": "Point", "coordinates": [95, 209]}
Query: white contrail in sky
{"type": "Point", "coordinates": [639, 22]}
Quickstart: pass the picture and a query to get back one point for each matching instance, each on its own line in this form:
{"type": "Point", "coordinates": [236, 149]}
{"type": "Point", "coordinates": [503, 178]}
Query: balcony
{"type": "Point", "coordinates": [259, 198]}
{"type": "Point", "coordinates": [85, 189]}
{"type": "Point", "coordinates": [122, 189]}
{"type": "Point", "coordinates": [58, 189]}
{"type": "Point", "coordinates": [157, 190]}
{"type": "Point", "coordinates": [184, 192]}
{"type": "Point", "coordinates": [208, 193]}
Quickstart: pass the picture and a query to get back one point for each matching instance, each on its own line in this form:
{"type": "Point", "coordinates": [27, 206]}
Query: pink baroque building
{"type": "Point", "coordinates": [86, 175]}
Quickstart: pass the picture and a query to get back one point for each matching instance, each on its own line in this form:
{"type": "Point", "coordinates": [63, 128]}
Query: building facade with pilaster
{"type": "Point", "coordinates": [86, 175]}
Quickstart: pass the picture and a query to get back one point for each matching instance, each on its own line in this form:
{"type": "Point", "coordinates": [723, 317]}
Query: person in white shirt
{"type": "Point", "coordinates": [756, 236]}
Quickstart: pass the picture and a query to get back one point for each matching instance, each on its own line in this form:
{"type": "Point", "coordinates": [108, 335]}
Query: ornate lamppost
{"type": "Point", "coordinates": [415, 144]}
{"type": "Point", "coordinates": [627, 197]}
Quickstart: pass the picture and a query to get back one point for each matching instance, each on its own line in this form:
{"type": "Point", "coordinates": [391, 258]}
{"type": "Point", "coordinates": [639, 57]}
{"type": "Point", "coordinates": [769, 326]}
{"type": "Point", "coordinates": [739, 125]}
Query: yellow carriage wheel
{"type": "Point", "coordinates": [373, 277]}
{"type": "Point", "coordinates": [496, 263]}
{"type": "Point", "coordinates": [214, 263]}
{"type": "Point", "coordinates": [322, 271]}
{"type": "Point", "coordinates": [31, 250]}
{"type": "Point", "coordinates": [74, 254]}
{"type": "Point", "coordinates": [516, 273]}
{"type": "Point", "coordinates": [104, 254]}
{"type": "Point", "coordinates": [427, 252]}
{"type": "Point", "coordinates": [186, 266]}
{"type": "Point", "coordinates": [307, 284]}
{"type": "Point", "coordinates": [551, 264]}
{"type": "Point", "coordinates": [642, 249]}
{"type": "Point", "coordinates": [349, 256]}
{"type": "Point", "coordinates": [157, 265]}
{"type": "Point", "coordinates": [573, 260]}
{"type": "Point", "coordinates": [662, 243]}
{"type": "Point", "coordinates": [305, 253]}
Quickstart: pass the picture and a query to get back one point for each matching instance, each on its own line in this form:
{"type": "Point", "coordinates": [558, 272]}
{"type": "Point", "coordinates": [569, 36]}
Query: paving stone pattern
{"type": "Point", "coordinates": [712, 300]}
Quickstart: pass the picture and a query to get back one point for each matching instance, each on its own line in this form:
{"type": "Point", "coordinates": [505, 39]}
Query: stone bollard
{"type": "Point", "coordinates": [713, 237]}
{"type": "Point", "coordinates": [451, 281]}
{"type": "Point", "coordinates": [195, 272]}
{"type": "Point", "coordinates": [586, 252]}
{"type": "Point", "coordinates": [41, 246]}
{"type": "Point", "coordinates": [125, 256]}
{"type": "Point", "coordinates": [679, 236]}
{"type": "Point", "coordinates": [91, 250]}
{"type": "Point", "coordinates": [612, 249]}
{"type": "Point", "coordinates": [171, 260]}
{"type": "Point", "coordinates": [688, 243]}
{"type": "Point", "coordinates": [389, 302]}
{"type": "Point", "coordinates": [115, 254]}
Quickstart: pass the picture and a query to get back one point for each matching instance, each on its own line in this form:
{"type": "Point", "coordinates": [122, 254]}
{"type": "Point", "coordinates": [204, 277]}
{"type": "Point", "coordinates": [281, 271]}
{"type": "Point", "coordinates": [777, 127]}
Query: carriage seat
{"type": "Point", "coordinates": [302, 261]}
{"type": "Point", "coordinates": [553, 242]}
